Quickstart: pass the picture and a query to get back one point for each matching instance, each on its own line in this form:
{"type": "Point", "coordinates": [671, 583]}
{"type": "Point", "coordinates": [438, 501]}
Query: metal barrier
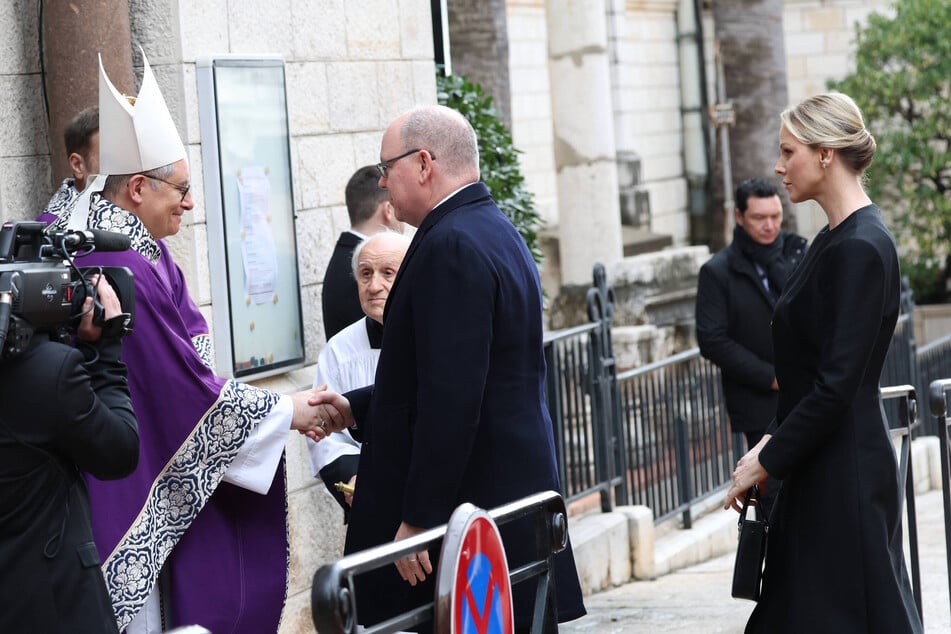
{"type": "Point", "coordinates": [582, 397]}
{"type": "Point", "coordinates": [334, 599]}
{"type": "Point", "coordinates": [578, 426]}
{"type": "Point", "coordinates": [934, 363]}
{"type": "Point", "coordinates": [676, 430]}
{"type": "Point", "coordinates": [901, 362]}
{"type": "Point", "coordinates": [659, 435]}
{"type": "Point", "coordinates": [663, 427]}
{"type": "Point", "coordinates": [902, 431]}
{"type": "Point", "coordinates": [611, 449]}
{"type": "Point", "coordinates": [656, 435]}
{"type": "Point", "coordinates": [938, 402]}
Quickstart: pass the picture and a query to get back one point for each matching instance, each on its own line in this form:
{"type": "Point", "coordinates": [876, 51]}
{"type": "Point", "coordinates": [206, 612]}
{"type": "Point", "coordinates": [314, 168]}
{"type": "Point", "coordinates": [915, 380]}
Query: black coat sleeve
{"type": "Point", "coordinates": [99, 432]}
{"type": "Point", "coordinates": [359, 405]}
{"type": "Point", "coordinates": [340, 470]}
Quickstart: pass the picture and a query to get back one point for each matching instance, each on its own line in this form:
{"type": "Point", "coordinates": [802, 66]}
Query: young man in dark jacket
{"type": "Point", "coordinates": [736, 294]}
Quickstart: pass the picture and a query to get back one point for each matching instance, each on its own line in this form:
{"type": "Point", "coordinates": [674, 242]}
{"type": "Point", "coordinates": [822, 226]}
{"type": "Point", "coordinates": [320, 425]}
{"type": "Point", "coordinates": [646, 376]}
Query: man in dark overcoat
{"type": "Point", "coordinates": [736, 293]}
{"type": "Point", "coordinates": [457, 412]}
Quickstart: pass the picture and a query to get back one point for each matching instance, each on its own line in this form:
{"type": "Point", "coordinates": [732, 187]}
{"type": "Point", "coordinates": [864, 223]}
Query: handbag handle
{"type": "Point", "coordinates": [752, 494]}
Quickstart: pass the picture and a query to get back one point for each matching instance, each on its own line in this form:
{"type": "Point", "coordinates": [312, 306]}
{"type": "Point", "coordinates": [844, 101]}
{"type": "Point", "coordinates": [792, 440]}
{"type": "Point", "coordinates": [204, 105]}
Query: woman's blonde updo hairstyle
{"type": "Point", "coordinates": [832, 120]}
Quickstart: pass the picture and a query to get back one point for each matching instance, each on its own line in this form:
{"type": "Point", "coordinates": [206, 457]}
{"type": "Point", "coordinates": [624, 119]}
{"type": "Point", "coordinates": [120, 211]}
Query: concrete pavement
{"type": "Point", "coordinates": [689, 591]}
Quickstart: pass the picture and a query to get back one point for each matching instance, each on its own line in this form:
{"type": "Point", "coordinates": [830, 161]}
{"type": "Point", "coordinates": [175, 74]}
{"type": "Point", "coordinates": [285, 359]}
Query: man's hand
{"type": "Point", "coordinates": [88, 331]}
{"type": "Point", "coordinates": [414, 568]}
{"type": "Point", "coordinates": [315, 418]}
{"type": "Point", "coordinates": [348, 497]}
{"type": "Point", "coordinates": [337, 410]}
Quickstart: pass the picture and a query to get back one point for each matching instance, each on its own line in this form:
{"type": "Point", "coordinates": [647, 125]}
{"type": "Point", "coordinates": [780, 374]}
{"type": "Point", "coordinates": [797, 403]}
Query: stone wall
{"type": "Point", "coordinates": [646, 101]}
{"type": "Point", "coordinates": [654, 297]}
{"type": "Point", "coordinates": [24, 147]}
{"type": "Point", "coordinates": [820, 37]}
{"type": "Point", "coordinates": [531, 102]}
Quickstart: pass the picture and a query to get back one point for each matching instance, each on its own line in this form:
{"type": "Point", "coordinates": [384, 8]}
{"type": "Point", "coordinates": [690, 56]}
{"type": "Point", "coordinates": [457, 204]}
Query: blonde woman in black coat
{"type": "Point", "coordinates": [834, 561]}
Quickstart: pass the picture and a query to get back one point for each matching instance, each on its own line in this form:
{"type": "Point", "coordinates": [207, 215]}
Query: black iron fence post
{"type": "Point", "coordinates": [553, 395]}
{"type": "Point", "coordinates": [937, 400]}
{"type": "Point", "coordinates": [906, 423]}
{"type": "Point", "coordinates": [684, 472]}
{"type": "Point", "coordinates": [907, 303]}
{"type": "Point", "coordinates": [611, 456]}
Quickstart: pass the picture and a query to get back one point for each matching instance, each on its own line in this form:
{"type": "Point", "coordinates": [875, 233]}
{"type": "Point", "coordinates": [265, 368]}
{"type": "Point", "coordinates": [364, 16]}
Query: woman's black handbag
{"type": "Point", "coordinates": [751, 550]}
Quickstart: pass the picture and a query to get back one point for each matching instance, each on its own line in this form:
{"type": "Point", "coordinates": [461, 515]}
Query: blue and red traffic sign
{"type": "Point", "coordinates": [473, 558]}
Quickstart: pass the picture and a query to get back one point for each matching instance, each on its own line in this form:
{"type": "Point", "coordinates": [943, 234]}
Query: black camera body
{"type": "Point", "coordinates": [43, 291]}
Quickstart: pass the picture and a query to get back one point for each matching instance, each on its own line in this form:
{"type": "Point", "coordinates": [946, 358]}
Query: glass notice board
{"type": "Point", "coordinates": [245, 149]}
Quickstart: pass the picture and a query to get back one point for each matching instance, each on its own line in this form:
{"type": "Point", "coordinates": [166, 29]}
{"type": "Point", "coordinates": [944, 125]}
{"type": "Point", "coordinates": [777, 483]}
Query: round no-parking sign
{"type": "Point", "coordinates": [473, 591]}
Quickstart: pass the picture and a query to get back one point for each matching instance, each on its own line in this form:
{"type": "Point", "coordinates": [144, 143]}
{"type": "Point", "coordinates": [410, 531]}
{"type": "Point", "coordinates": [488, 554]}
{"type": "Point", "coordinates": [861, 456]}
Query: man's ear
{"type": "Point", "coordinates": [134, 187]}
{"type": "Point", "coordinates": [387, 213]}
{"type": "Point", "coordinates": [425, 165]}
{"type": "Point", "coordinates": [77, 165]}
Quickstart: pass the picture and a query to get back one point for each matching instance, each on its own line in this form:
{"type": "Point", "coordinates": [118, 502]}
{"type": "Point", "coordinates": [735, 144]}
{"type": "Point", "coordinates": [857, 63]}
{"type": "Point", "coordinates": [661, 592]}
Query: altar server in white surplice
{"type": "Point", "coordinates": [348, 361]}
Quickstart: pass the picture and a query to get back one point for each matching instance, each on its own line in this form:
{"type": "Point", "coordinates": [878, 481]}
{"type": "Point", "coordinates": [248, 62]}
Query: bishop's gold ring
{"type": "Point", "coordinates": [323, 425]}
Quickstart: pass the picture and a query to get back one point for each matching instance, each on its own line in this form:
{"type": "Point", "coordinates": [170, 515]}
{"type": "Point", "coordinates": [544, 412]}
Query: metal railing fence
{"type": "Point", "coordinates": [655, 435]}
{"type": "Point", "coordinates": [659, 435]}
{"type": "Point", "coordinates": [938, 404]}
{"type": "Point", "coordinates": [901, 364]}
{"type": "Point", "coordinates": [334, 600]}
{"type": "Point", "coordinates": [934, 363]}
{"type": "Point", "coordinates": [676, 432]}
{"type": "Point", "coordinates": [579, 428]}
{"type": "Point", "coordinates": [901, 428]}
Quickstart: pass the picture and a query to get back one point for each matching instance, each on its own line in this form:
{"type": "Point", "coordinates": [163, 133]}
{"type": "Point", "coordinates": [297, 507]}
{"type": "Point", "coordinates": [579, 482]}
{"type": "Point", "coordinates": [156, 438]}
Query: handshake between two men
{"type": "Point", "coordinates": [318, 412]}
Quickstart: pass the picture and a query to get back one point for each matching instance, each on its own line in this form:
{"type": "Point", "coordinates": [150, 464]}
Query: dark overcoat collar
{"type": "Point", "coordinates": [473, 193]}
{"type": "Point", "coordinates": [744, 266]}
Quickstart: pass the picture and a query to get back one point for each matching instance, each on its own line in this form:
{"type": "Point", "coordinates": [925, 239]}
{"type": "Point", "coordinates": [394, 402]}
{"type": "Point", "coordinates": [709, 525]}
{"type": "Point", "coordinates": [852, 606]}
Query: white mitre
{"type": "Point", "coordinates": [135, 138]}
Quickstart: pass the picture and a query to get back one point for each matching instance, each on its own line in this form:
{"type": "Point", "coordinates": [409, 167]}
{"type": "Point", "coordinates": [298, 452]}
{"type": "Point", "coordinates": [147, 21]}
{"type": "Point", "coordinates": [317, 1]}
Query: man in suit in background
{"type": "Point", "coordinates": [457, 412]}
{"type": "Point", "coordinates": [736, 293]}
{"type": "Point", "coordinates": [81, 138]}
{"type": "Point", "coordinates": [369, 208]}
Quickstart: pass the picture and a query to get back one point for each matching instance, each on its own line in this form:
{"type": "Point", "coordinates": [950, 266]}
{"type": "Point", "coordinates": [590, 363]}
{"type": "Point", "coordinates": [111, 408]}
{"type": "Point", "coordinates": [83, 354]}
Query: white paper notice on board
{"type": "Point", "coordinates": [257, 243]}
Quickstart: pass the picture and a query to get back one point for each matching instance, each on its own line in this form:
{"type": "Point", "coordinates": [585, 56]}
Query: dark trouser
{"type": "Point", "coordinates": [772, 484]}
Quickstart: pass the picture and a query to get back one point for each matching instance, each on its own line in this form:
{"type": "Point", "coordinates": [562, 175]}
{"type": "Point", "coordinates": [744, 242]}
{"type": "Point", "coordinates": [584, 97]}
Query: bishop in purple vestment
{"type": "Point", "coordinates": [197, 534]}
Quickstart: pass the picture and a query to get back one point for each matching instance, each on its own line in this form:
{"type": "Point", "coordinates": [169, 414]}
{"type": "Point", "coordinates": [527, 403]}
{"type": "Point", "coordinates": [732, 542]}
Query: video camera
{"type": "Point", "coordinates": [43, 291]}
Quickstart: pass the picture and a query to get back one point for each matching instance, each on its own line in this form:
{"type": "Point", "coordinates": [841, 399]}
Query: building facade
{"type": "Point", "coordinates": [353, 66]}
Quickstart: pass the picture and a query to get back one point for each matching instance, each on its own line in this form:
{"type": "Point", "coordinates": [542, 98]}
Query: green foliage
{"type": "Point", "coordinates": [498, 159]}
{"type": "Point", "coordinates": [902, 83]}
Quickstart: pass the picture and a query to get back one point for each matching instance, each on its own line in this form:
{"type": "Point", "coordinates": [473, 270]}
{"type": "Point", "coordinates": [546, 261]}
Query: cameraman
{"type": "Point", "coordinates": [64, 410]}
